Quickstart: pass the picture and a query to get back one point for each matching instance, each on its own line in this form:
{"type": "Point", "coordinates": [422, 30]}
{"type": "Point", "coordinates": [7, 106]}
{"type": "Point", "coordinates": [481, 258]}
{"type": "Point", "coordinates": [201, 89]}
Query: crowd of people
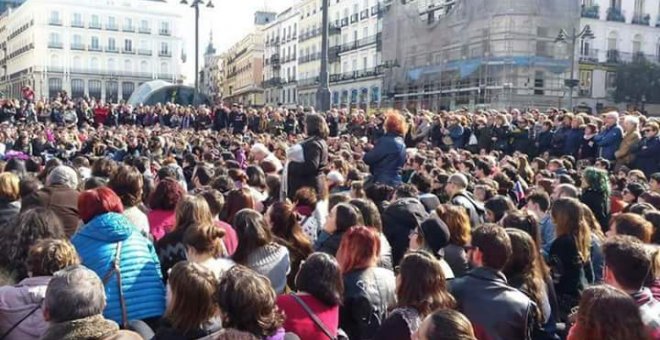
{"type": "Point", "coordinates": [225, 222]}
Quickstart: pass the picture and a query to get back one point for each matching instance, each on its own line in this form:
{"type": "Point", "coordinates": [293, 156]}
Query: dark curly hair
{"type": "Point", "coordinates": [167, 194]}
{"type": "Point", "coordinates": [247, 302]}
{"type": "Point", "coordinates": [17, 238]}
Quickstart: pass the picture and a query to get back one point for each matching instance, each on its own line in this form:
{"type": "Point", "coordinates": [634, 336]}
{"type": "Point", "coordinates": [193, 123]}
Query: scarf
{"type": "Point", "coordinates": [89, 328]}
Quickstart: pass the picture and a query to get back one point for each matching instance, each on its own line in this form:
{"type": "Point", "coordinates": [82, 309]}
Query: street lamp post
{"type": "Point", "coordinates": [572, 39]}
{"type": "Point", "coordinates": [195, 4]}
{"type": "Point", "coordinates": [323, 92]}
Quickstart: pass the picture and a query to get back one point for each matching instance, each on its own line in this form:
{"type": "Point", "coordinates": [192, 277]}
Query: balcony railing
{"type": "Point", "coordinates": [310, 57]}
{"type": "Point", "coordinates": [591, 12]}
{"type": "Point", "coordinates": [613, 56]}
{"type": "Point", "coordinates": [375, 10]}
{"type": "Point", "coordinates": [164, 32]}
{"type": "Point", "coordinates": [615, 14]}
{"type": "Point", "coordinates": [55, 22]}
{"type": "Point", "coordinates": [275, 59]}
{"type": "Point", "coordinates": [144, 30]}
{"type": "Point", "coordinates": [309, 81]}
{"type": "Point", "coordinates": [112, 49]}
{"type": "Point", "coordinates": [352, 75]}
{"type": "Point", "coordinates": [164, 53]}
{"type": "Point", "coordinates": [128, 51]}
{"type": "Point", "coordinates": [333, 54]}
{"type": "Point", "coordinates": [272, 82]}
{"type": "Point", "coordinates": [644, 20]}
{"type": "Point", "coordinates": [344, 22]}
{"type": "Point", "coordinates": [94, 48]}
{"type": "Point", "coordinates": [354, 18]}
{"type": "Point", "coordinates": [77, 47]}
{"type": "Point", "coordinates": [144, 52]}
{"type": "Point", "coordinates": [55, 44]}
{"type": "Point", "coordinates": [364, 14]}
{"type": "Point", "coordinates": [310, 34]}
{"type": "Point", "coordinates": [112, 27]}
{"type": "Point", "coordinates": [78, 24]}
{"type": "Point", "coordinates": [95, 25]}
{"type": "Point", "coordinates": [353, 45]}
{"type": "Point", "coordinates": [128, 28]}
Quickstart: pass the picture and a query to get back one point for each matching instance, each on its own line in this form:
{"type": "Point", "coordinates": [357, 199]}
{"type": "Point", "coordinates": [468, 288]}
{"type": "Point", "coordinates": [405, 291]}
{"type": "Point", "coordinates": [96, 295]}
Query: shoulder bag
{"type": "Point", "coordinates": [116, 269]}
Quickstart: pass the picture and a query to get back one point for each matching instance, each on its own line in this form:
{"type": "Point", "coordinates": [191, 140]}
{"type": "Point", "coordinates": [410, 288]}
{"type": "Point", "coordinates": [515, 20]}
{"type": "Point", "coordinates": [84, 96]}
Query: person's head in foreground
{"type": "Point", "coordinates": [607, 313]}
{"type": "Point", "coordinates": [247, 303]}
{"type": "Point", "coordinates": [445, 324]}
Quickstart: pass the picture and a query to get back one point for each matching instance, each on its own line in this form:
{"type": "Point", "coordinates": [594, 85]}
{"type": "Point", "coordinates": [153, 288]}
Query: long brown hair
{"type": "Point", "coordinates": [422, 284]}
{"type": "Point", "coordinates": [592, 221]}
{"type": "Point", "coordinates": [608, 313]}
{"type": "Point", "coordinates": [237, 200]}
{"type": "Point", "coordinates": [568, 215]}
{"type": "Point", "coordinates": [284, 224]}
{"type": "Point", "coordinates": [359, 249]}
{"type": "Point", "coordinates": [525, 270]}
{"type": "Point", "coordinates": [458, 223]}
{"type": "Point", "coordinates": [192, 303]}
{"type": "Point", "coordinates": [192, 211]}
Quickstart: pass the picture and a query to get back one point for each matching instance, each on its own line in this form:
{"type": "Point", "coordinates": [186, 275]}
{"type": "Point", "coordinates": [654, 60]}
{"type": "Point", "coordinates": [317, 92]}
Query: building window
{"type": "Point", "coordinates": [112, 23]}
{"type": "Point", "coordinates": [610, 80]}
{"type": "Point", "coordinates": [76, 42]}
{"type": "Point", "coordinates": [96, 22]}
{"type": "Point", "coordinates": [144, 26]}
{"type": "Point", "coordinates": [94, 44]}
{"type": "Point", "coordinates": [164, 28]}
{"type": "Point", "coordinates": [128, 66]}
{"type": "Point", "coordinates": [94, 88]}
{"type": "Point", "coordinates": [612, 41]}
{"type": "Point", "coordinates": [77, 20]}
{"type": "Point", "coordinates": [128, 45]}
{"type": "Point", "coordinates": [94, 64]}
{"type": "Point", "coordinates": [128, 24]}
{"type": "Point", "coordinates": [112, 44]}
{"type": "Point", "coordinates": [335, 98]}
{"type": "Point", "coordinates": [375, 94]}
{"type": "Point", "coordinates": [585, 83]}
{"type": "Point", "coordinates": [111, 91]}
{"type": "Point", "coordinates": [54, 18]}
{"type": "Point", "coordinates": [164, 68]}
{"type": "Point", "coordinates": [112, 65]}
{"type": "Point", "coordinates": [637, 44]}
{"type": "Point", "coordinates": [164, 49]}
{"type": "Point", "coordinates": [54, 40]}
{"type": "Point", "coordinates": [77, 88]}
{"type": "Point", "coordinates": [54, 87]}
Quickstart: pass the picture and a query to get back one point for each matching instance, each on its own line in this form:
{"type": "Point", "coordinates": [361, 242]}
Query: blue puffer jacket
{"type": "Point", "coordinates": [142, 283]}
{"type": "Point", "coordinates": [608, 141]}
{"type": "Point", "coordinates": [386, 159]}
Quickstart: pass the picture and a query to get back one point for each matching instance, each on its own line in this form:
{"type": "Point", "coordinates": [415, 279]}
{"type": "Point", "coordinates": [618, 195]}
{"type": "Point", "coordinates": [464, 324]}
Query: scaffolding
{"type": "Point", "coordinates": [476, 53]}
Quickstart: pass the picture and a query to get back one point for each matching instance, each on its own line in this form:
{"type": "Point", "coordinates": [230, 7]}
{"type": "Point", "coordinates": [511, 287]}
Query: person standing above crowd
{"type": "Point", "coordinates": [388, 156]}
{"type": "Point", "coordinates": [310, 172]}
{"type": "Point", "coordinates": [609, 138]}
{"type": "Point", "coordinates": [647, 151]}
{"type": "Point", "coordinates": [631, 136]}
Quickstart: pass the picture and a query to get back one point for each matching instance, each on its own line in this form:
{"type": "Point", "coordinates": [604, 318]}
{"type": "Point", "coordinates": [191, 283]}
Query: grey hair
{"type": "Point", "coordinates": [63, 175]}
{"type": "Point", "coordinates": [75, 292]}
{"type": "Point", "coordinates": [612, 114]}
{"type": "Point", "coordinates": [631, 120]}
{"type": "Point", "coordinates": [568, 190]}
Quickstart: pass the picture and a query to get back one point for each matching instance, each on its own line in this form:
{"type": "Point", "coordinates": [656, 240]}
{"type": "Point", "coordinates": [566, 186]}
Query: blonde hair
{"type": "Point", "coordinates": [9, 186]}
{"type": "Point", "coordinates": [50, 255]}
{"type": "Point", "coordinates": [192, 211]}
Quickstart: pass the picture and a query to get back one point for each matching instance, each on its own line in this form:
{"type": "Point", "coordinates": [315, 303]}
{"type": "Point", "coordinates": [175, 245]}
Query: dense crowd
{"type": "Point", "coordinates": [225, 222]}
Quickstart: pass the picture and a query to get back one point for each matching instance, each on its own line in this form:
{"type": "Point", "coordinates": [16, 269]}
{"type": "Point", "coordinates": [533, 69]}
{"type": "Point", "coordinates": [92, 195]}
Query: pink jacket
{"type": "Point", "coordinates": [19, 300]}
{"type": "Point", "coordinates": [161, 222]}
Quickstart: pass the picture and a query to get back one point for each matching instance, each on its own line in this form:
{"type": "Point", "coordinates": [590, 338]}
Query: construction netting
{"type": "Point", "coordinates": [476, 53]}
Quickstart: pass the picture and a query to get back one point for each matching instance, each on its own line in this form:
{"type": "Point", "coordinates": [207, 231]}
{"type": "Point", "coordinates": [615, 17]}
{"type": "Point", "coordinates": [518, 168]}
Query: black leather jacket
{"type": "Point", "coordinates": [368, 294]}
{"type": "Point", "coordinates": [497, 311]}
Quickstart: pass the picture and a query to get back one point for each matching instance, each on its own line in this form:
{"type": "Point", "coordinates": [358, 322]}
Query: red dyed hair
{"type": "Point", "coordinates": [358, 248]}
{"type": "Point", "coordinates": [395, 123]}
{"type": "Point", "coordinates": [95, 202]}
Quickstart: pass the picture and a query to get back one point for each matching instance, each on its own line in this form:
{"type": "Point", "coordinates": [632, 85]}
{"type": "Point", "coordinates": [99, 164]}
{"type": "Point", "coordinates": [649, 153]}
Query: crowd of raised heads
{"type": "Point", "coordinates": [229, 222]}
